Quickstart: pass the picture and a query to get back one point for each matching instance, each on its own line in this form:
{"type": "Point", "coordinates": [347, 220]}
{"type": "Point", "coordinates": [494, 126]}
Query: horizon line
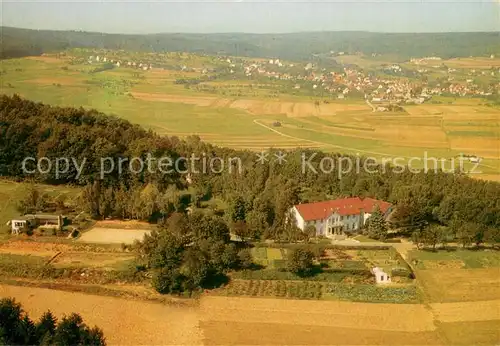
{"type": "Point", "coordinates": [253, 33]}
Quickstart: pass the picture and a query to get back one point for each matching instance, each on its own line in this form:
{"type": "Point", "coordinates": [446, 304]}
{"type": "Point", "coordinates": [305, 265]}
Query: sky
{"type": "Point", "coordinates": [252, 16]}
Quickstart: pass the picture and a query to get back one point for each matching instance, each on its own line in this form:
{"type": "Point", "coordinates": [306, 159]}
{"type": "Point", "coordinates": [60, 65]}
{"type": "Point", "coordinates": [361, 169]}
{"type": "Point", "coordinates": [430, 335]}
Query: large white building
{"type": "Point", "coordinates": [336, 218]}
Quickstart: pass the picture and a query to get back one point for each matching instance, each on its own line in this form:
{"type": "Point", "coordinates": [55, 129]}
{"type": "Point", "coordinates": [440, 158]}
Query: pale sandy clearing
{"type": "Point", "coordinates": [103, 235]}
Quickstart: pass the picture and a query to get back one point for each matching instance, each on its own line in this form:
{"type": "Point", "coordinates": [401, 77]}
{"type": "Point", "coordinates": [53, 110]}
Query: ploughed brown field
{"type": "Point", "coordinates": [251, 321]}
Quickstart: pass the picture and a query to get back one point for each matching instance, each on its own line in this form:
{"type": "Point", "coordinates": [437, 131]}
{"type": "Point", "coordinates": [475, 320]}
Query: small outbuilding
{"type": "Point", "coordinates": [381, 277]}
{"type": "Point", "coordinates": [36, 220]}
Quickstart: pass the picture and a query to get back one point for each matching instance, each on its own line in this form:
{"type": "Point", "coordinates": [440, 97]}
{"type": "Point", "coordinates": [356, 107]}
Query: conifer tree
{"type": "Point", "coordinates": [377, 226]}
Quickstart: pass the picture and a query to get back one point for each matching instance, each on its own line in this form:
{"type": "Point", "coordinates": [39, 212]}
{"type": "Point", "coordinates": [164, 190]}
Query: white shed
{"type": "Point", "coordinates": [381, 277]}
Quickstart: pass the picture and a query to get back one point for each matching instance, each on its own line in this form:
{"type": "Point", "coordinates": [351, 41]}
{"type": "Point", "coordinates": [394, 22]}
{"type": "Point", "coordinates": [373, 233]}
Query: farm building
{"type": "Point", "coordinates": [337, 218]}
{"type": "Point", "coordinates": [36, 221]}
{"type": "Point", "coordinates": [381, 277]}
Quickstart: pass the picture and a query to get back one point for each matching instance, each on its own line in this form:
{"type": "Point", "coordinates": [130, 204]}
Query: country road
{"type": "Point", "coordinates": [256, 121]}
{"type": "Point", "coordinates": [371, 105]}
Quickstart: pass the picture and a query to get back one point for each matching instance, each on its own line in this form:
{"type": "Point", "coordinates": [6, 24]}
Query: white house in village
{"type": "Point", "coordinates": [337, 218]}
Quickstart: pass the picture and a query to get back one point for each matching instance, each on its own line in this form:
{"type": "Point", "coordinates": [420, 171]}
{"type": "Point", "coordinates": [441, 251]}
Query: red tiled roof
{"type": "Point", "coordinates": [346, 206]}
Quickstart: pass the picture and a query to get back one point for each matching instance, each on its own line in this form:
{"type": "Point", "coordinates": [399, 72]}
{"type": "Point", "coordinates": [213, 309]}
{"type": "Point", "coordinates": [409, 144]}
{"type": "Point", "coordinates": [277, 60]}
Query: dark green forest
{"type": "Point", "coordinates": [17, 42]}
{"type": "Point", "coordinates": [17, 328]}
{"type": "Point", "coordinates": [194, 249]}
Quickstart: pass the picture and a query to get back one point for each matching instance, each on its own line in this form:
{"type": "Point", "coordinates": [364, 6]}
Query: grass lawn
{"type": "Point", "coordinates": [468, 259]}
{"type": "Point", "coordinates": [269, 257]}
{"type": "Point", "coordinates": [274, 254]}
{"type": "Point", "coordinates": [365, 239]}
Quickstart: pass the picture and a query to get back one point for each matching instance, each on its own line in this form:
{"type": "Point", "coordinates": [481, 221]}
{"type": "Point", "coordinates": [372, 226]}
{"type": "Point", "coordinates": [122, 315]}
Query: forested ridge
{"type": "Point", "coordinates": [16, 42]}
{"type": "Point", "coordinates": [258, 197]}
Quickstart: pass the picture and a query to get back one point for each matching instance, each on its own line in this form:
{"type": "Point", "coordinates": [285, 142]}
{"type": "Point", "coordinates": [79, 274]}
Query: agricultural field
{"type": "Point", "coordinates": [227, 320]}
{"type": "Point", "coordinates": [239, 114]}
{"type": "Point", "coordinates": [459, 276]}
{"type": "Point", "coordinates": [476, 63]}
{"type": "Point", "coordinates": [62, 254]}
{"type": "Point", "coordinates": [352, 313]}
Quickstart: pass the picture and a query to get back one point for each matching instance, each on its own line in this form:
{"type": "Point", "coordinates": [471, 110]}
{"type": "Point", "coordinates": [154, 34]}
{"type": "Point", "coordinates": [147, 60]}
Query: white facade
{"type": "Point", "coordinates": [18, 225]}
{"type": "Point", "coordinates": [381, 277]}
{"type": "Point", "coordinates": [337, 218]}
{"type": "Point", "coordinates": [333, 226]}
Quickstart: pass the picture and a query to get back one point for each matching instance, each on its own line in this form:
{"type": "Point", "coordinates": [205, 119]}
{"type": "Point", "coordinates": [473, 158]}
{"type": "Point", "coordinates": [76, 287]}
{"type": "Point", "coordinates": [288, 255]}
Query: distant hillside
{"type": "Point", "coordinates": [295, 46]}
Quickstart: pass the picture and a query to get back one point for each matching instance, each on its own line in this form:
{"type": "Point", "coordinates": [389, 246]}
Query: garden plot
{"type": "Point", "coordinates": [385, 259]}
{"type": "Point", "coordinates": [269, 257]}
{"type": "Point", "coordinates": [456, 259]}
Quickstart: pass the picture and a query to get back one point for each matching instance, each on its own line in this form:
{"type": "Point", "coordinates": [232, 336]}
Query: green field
{"type": "Point", "coordinates": [467, 259]}
{"type": "Point", "coordinates": [240, 113]}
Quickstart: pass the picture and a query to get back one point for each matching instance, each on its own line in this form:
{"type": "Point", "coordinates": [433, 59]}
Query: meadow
{"type": "Point", "coordinates": [459, 275]}
{"type": "Point", "coordinates": [244, 118]}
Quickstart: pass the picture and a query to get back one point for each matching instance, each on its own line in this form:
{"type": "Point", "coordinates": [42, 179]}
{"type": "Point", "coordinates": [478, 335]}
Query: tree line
{"type": "Point", "coordinates": [17, 328]}
{"type": "Point", "coordinates": [294, 46]}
